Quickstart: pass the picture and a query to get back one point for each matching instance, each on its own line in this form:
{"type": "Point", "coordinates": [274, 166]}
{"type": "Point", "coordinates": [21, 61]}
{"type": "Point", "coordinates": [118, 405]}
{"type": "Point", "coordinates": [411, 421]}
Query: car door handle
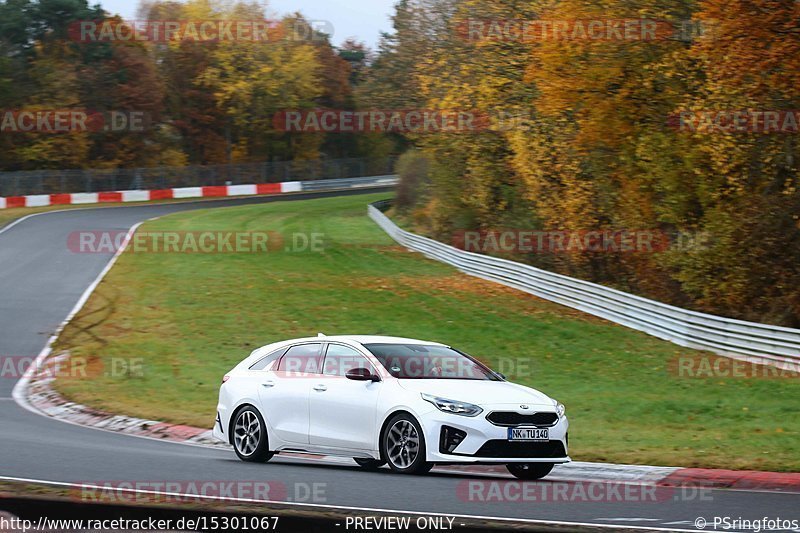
{"type": "Point", "coordinates": [321, 388]}
{"type": "Point", "coordinates": [268, 384]}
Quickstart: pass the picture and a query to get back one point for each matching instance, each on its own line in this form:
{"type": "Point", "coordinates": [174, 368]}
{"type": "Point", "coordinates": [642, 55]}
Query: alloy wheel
{"type": "Point", "coordinates": [402, 444]}
{"type": "Point", "coordinates": [247, 433]}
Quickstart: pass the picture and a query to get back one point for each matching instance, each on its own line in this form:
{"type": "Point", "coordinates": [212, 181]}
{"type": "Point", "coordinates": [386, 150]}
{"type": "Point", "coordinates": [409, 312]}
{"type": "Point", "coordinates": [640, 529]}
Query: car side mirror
{"type": "Point", "coordinates": [361, 374]}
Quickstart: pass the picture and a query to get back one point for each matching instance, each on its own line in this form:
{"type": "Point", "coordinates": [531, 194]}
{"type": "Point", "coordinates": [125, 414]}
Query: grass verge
{"type": "Point", "coordinates": [188, 318]}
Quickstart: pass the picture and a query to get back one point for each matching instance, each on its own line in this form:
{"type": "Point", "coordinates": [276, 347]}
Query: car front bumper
{"type": "Point", "coordinates": [486, 442]}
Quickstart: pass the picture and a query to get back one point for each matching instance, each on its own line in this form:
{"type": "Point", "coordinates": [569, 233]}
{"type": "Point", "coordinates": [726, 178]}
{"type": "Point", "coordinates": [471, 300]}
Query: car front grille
{"type": "Point", "coordinates": [510, 418]}
{"type": "Point", "coordinates": [534, 450]}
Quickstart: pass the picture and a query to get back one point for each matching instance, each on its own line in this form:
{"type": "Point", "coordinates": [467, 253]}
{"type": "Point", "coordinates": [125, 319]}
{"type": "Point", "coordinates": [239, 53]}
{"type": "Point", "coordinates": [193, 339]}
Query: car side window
{"type": "Point", "coordinates": [301, 359]}
{"type": "Point", "coordinates": [265, 361]}
{"type": "Point", "coordinates": [339, 359]}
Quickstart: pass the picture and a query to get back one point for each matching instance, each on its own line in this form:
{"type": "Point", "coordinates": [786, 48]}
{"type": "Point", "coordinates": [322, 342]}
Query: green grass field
{"type": "Point", "coordinates": [190, 318]}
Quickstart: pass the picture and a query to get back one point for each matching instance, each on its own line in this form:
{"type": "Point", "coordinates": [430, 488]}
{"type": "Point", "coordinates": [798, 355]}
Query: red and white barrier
{"type": "Point", "coordinates": [43, 200]}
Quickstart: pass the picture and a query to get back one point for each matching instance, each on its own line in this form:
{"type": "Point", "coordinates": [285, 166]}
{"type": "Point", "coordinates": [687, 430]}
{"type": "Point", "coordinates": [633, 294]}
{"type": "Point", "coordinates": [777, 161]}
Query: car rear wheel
{"type": "Point", "coordinates": [403, 446]}
{"type": "Point", "coordinates": [250, 436]}
{"type": "Point", "coordinates": [530, 471]}
{"type": "Point", "coordinates": [369, 464]}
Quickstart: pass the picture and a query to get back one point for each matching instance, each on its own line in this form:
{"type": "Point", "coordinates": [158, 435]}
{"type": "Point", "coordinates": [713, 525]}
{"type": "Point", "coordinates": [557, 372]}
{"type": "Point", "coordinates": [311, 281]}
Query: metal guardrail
{"type": "Point", "coordinates": [31, 182]}
{"type": "Point", "coordinates": [387, 180]}
{"type": "Point", "coordinates": [751, 341]}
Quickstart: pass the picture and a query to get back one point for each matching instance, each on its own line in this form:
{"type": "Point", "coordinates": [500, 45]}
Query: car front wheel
{"type": "Point", "coordinates": [530, 471]}
{"type": "Point", "coordinates": [250, 436]}
{"type": "Point", "coordinates": [403, 446]}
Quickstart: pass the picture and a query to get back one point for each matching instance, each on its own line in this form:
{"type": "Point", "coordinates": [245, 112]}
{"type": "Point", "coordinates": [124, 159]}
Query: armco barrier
{"type": "Point", "coordinates": [216, 191]}
{"type": "Point", "coordinates": [760, 343]}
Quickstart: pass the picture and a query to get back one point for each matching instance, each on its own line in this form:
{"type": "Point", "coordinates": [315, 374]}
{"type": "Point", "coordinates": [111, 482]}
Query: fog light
{"type": "Point", "coordinates": [450, 438]}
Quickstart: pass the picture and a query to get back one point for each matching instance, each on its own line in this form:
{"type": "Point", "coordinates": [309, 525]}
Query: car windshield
{"type": "Point", "coordinates": [422, 361]}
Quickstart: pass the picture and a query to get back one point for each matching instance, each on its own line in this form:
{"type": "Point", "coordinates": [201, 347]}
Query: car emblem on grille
{"type": "Point", "coordinates": [524, 406]}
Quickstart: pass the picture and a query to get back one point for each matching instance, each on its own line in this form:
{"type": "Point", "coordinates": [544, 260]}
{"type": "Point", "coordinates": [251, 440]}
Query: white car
{"type": "Point", "coordinates": [379, 400]}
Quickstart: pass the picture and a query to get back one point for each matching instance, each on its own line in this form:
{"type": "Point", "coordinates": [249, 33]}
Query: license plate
{"type": "Point", "coordinates": [529, 434]}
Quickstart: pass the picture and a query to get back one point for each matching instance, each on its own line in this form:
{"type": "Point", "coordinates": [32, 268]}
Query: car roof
{"type": "Point", "coordinates": [381, 339]}
{"type": "Point", "coordinates": [367, 339]}
{"type": "Point", "coordinates": [358, 339]}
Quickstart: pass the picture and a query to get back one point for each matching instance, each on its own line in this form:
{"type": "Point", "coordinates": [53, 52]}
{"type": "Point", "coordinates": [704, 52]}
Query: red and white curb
{"type": "Point", "coordinates": [47, 401]}
{"type": "Point", "coordinates": [42, 397]}
{"type": "Point", "coordinates": [216, 191]}
{"type": "Point", "coordinates": [44, 200]}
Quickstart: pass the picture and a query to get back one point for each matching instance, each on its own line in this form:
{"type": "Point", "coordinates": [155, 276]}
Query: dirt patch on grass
{"type": "Point", "coordinates": [463, 286]}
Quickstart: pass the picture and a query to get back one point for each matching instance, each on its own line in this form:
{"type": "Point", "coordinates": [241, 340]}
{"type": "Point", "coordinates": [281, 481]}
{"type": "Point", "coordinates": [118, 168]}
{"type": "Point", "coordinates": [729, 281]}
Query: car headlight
{"type": "Point", "coordinates": [452, 406]}
{"type": "Point", "coordinates": [560, 409]}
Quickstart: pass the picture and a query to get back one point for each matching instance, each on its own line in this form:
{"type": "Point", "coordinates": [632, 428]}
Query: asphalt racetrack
{"type": "Point", "coordinates": [40, 283]}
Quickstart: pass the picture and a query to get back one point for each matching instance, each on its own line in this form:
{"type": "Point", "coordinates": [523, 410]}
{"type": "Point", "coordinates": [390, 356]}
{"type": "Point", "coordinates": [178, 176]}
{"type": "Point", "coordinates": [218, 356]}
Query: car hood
{"type": "Point", "coordinates": [478, 392]}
